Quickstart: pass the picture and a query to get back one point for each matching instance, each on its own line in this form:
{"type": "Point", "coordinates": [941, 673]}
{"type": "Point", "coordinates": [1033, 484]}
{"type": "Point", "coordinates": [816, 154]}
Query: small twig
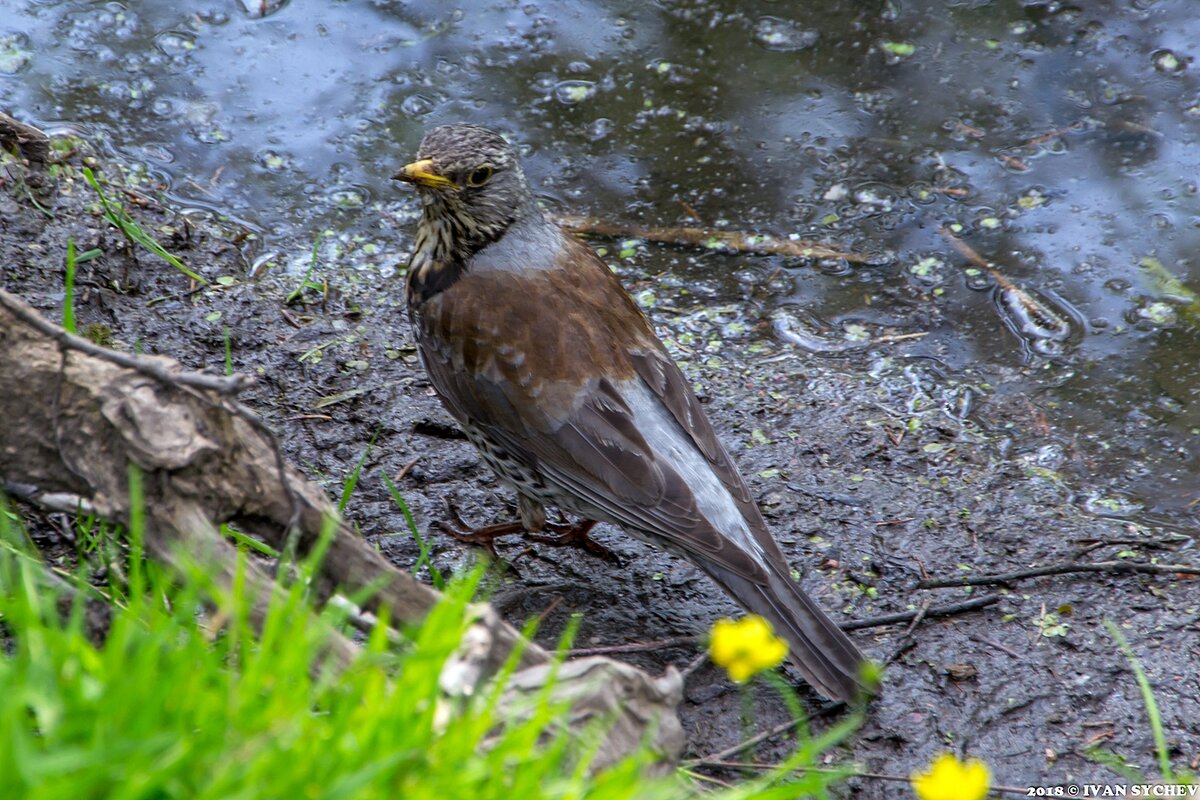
{"type": "Point", "coordinates": [1114, 567]}
{"type": "Point", "coordinates": [1038, 312]}
{"type": "Point", "coordinates": [907, 640]}
{"type": "Point", "coordinates": [289, 319]}
{"type": "Point", "coordinates": [548, 610]}
{"type": "Point", "coordinates": [1054, 134]}
{"type": "Point", "coordinates": [696, 776]}
{"type": "Point", "coordinates": [920, 615]}
{"type": "Point", "coordinates": [888, 338]}
{"type": "Point", "coordinates": [972, 255]}
{"type": "Point", "coordinates": [744, 745]}
{"type": "Point", "coordinates": [1164, 543]}
{"type": "Point", "coordinates": [221, 384]}
{"type": "Point", "coordinates": [997, 645]}
{"type": "Point", "coordinates": [693, 665]}
{"type": "Point", "coordinates": [404, 470]}
{"type": "Point", "coordinates": [931, 612]}
{"type": "Point", "coordinates": [712, 239]}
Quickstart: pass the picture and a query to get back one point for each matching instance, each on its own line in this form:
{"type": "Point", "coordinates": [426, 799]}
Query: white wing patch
{"type": "Point", "coordinates": [674, 447]}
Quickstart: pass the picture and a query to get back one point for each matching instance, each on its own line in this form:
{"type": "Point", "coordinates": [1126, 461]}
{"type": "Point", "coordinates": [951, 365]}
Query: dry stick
{"type": "Point", "coordinates": [1116, 567]}
{"type": "Point", "coordinates": [912, 617]}
{"type": "Point", "coordinates": [1053, 134]}
{"type": "Point", "coordinates": [709, 238]}
{"type": "Point", "coordinates": [997, 645]}
{"type": "Point", "coordinates": [929, 613]}
{"type": "Point", "coordinates": [745, 745]}
{"type": "Point", "coordinates": [1036, 308]}
{"type": "Point", "coordinates": [223, 385]}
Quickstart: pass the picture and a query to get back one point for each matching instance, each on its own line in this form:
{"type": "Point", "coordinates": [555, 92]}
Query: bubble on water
{"type": "Point", "coordinates": [348, 196]}
{"type": "Point", "coordinates": [599, 129]}
{"type": "Point", "coordinates": [213, 16]}
{"type": "Point", "coordinates": [262, 8]}
{"type": "Point", "coordinates": [572, 92]}
{"type": "Point", "coordinates": [174, 43]}
{"type": "Point", "coordinates": [417, 105]}
{"type": "Point", "coordinates": [1167, 62]}
{"type": "Point", "coordinates": [783, 35]}
{"type": "Point", "coordinates": [978, 280]}
{"type": "Point", "coordinates": [272, 160]}
{"type": "Point", "coordinates": [1156, 312]}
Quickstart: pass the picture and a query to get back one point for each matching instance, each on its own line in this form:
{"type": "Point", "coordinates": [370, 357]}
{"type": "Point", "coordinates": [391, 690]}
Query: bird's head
{"type": "Point", "coordinates": [471, 186]}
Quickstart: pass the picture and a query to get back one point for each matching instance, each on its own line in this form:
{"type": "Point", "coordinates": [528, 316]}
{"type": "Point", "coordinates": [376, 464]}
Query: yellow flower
{"type": "Point", "coordinates": [745, 647]}
{"type": "Point", "coordinates": [950, 779]}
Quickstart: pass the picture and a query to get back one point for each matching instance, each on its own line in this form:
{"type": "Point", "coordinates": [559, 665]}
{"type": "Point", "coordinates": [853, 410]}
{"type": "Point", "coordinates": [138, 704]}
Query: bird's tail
{"type": "Point", "coordinates": [817, 647]}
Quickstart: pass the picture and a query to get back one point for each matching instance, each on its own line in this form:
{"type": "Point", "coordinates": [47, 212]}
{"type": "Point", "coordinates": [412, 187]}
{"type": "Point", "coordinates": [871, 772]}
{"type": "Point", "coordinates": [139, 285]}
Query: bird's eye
{"type": "Point", "coordinates": [479, 177]}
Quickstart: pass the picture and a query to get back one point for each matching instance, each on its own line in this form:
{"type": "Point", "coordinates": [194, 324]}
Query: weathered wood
{"type": "Point", "coordinates": [28, 141]}
{"type": "Point", "coordinates": [75, 416]}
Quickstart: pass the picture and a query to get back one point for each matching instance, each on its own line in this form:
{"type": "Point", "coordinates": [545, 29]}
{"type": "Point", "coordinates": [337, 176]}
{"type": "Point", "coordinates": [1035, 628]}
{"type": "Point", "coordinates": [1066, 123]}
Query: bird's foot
{"type": "Point", "coordinates": [564, 534]}
{"type": "Point", "coordinates": [574, 535]}
{"type": "Point", "coordinates": [484, 537]}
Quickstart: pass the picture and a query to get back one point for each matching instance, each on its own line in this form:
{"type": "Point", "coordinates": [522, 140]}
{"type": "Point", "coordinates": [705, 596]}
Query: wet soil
{"type": "Point", "coordinates": [875, 469]}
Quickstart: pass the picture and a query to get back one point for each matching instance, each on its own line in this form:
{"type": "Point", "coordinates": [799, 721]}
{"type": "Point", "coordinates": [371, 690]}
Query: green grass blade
{"type": "Point", "coordinates": [305, 283]}
{"type": "Point", "coordinates": [1160, 739]}
{"type": "Point", "coordinates": [68, 313]}
{"type": "Point", "coordinates": [423, 558]}
{"type": "Point", "coordinates": [116, 214]}
{"type": "Point", "coordinates": [244, 541]}
{"type": "Point", "coordinates": [351, 482]}
{"type": "Point", "coordinates": [228, 353]}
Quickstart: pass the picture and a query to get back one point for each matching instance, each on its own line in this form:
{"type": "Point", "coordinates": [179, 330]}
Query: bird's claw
{"type": "Point", "coordinates": [561, 534]}
{"type": "Point", "coordinates": [574, 535]}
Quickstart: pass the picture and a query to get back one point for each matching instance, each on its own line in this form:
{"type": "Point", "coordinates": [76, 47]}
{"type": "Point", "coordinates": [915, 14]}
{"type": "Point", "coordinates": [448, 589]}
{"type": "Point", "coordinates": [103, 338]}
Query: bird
{"type": "Point", "coordinates": [556, 375]}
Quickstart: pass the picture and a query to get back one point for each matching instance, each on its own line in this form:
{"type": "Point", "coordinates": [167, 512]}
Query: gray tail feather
{"type": "Point", "coordinates": [817, 647]}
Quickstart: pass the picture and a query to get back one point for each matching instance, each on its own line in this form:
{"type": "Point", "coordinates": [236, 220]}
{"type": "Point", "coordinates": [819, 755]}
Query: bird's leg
{"type": "Point", "coordinates": [574, 535]}
{"type": "Point", "coordinates": [531, 524]}
{"type": "Point", "coordinates": [568, 534]}
{"type": "Point", "coordinates": [485, 537]}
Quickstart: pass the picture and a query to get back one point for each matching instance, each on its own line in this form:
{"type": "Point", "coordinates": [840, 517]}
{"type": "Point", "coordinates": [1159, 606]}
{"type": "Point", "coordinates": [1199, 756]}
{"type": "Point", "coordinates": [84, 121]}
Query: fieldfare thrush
{"type": "Point", "coordinates": [557, 377]}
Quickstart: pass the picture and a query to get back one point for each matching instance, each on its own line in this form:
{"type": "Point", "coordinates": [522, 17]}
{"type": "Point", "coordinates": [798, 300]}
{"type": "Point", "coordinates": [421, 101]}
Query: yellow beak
{"type": "Point", "coordinates": [422, 173]}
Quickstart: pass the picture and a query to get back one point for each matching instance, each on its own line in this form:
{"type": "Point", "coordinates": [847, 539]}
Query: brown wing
{"type": "Point", "coordinates": [554, 386]}
{"type": "Point", "coordinates": [547, 387]}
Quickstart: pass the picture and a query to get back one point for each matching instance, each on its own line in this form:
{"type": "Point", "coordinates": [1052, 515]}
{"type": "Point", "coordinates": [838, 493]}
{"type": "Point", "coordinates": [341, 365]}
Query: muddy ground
{"type": "Point", "coordinates": [874, 470]}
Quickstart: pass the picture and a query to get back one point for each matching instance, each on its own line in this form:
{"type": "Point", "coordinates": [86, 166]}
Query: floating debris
{"type": "Point", "coordinates": [1046, 324]}
{"type": "Point", "coordinates": [803, 331]}
{"type": "Point", "coordinates": [571, 92]}
{"type": "Point", "coordinates": [727, 241]}
{"type": "Point", "coordinates": [783, 35]}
